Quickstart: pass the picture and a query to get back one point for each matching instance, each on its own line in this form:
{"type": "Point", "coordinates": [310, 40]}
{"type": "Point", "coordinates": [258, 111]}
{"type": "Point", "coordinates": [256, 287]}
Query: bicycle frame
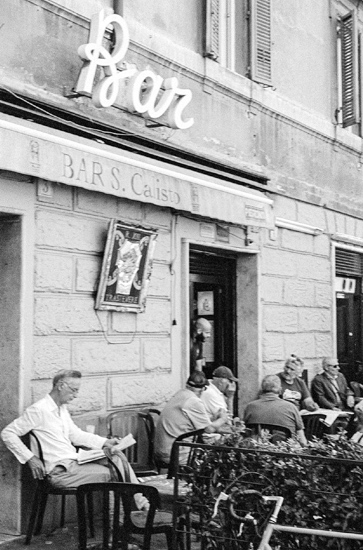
{"type": "Point", "coordinates": [273, 526]}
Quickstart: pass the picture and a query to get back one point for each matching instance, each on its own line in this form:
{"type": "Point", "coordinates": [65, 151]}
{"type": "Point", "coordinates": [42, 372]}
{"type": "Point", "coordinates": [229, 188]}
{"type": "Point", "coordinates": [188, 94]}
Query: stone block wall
{"type": "Point", "coordinates": [297, 286]}
{"type": "Point", "coordinates": [125, 358]}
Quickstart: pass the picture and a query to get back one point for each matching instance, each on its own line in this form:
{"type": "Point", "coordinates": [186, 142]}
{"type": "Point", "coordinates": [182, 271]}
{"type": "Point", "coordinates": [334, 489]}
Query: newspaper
{"type": "Point", "coordinates": [330, 415]}
{"type": "Point", "coordinates": [90, 455]}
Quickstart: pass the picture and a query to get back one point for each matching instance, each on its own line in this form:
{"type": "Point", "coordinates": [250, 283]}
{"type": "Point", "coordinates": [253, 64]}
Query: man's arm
{"type": "Point", "coordinates": [309, 404]}
{"type": "Point", "coordinates": [318, 392]}
{"type": "Point", "coordinates": [306, 399]}
{"type": "Point", "coordinates": [198, 416]}
{"type": "Point", "coordinates": [217, 425]}
{"type": "Point", "coordinates": [11, 436]}
{"type": "Point", "coordinates": [300, 434]}
{"type": "Point", "coordinates": [348, 392]}
{"type": "Point", "coordinates": [80, 438]}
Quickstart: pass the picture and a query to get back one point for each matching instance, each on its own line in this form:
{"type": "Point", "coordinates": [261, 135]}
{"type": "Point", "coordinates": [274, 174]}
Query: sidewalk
{"type": "Point", "coordinates": [66, 539]}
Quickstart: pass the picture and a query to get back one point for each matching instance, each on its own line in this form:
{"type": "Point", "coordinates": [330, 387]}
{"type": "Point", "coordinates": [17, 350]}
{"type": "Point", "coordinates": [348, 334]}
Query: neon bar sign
{"type": "Point", "coordinates": [145, 92]}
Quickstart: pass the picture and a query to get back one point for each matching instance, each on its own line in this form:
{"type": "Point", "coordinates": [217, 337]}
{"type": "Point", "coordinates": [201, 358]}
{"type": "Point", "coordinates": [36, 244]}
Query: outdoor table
{"type": "Point", "coordinates": [324, 421]}
{"type": "Point", "coordinates": [330, 415]}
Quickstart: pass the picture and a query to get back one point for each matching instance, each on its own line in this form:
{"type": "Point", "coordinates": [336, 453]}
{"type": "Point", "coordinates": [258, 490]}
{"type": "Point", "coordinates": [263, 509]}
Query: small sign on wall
{"type": "Point", "coordinates": [205, 303]}
{"type": "Point", "coordinates": [345, 284]}
{"type": "Point", "coordinates": [207, 230]}
{"type": "Point", "coordinates": [126, 268]}
{"type": "Point", "coordinates": [45, 190]}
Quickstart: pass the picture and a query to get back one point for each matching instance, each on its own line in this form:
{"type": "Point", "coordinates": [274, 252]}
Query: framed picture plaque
{"type": "Point", "coordinates": [126, 268]}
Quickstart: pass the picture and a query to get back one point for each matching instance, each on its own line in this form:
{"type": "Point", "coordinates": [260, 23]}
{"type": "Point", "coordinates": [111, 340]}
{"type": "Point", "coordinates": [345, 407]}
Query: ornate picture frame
{"type": "Point", "coordinates": [126, 268]}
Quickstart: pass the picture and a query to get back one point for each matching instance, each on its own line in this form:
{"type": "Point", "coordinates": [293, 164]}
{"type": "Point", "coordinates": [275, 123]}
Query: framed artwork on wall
{"type": "Point", "coordinates": [126, 268]}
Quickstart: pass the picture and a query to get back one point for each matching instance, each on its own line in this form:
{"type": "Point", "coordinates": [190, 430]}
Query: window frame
{"type": "Point", "coordinates": [349, 84]}
{"type": "Point", "coordinates": [220, 38]}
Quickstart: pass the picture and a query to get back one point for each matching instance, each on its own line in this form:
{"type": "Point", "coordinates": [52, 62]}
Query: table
{"type": "Point", "coordinates": [330, 415]}
{"type": "Point", "coordinates": [324, 421]}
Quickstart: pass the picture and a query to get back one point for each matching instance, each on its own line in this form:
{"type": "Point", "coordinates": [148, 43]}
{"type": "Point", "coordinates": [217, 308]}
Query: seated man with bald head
{"type": "Point", "coordinates": [270, 409]}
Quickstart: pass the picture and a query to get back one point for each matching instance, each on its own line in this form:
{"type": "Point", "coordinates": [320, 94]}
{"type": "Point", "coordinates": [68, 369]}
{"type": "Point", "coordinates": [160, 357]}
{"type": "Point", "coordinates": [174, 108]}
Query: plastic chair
{"type": "Point", "coordinates": [313, 425]}
{"type": "Point", "coordinates": [278, 433]}
{"type": "Point", "coordinates": [44, 488]}
{"type": "Point", "coordinates": [185, 518]}
{"type": "Point", "coordinates": [148, 417]}
{"type": "Point", "coordinates": [142, 523]}
{"type": "Point", "coordinates": [358, 391]}
{"type": "Point", "coordinates": [140, 424]}
{"type": "Point", "coordinates": [173, 466]}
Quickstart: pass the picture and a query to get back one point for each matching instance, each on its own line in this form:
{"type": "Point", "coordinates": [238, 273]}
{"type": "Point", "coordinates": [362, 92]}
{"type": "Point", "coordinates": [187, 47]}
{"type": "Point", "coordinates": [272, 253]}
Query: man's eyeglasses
{"type": "Point", "coordinates": [334, 366]}
{"type": "Point", "coordinates": [73, 390]}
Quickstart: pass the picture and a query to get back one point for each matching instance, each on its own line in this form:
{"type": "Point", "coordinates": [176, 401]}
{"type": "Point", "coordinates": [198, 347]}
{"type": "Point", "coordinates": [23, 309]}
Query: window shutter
{"type": "Point", "coordinates": [349, 35]}
{"type": "Point", "coordinates": [261, 41]}
{"type": "Point", "coordinates": [348, 263]}
{"type": "Point", "coordinates": [212, 29]}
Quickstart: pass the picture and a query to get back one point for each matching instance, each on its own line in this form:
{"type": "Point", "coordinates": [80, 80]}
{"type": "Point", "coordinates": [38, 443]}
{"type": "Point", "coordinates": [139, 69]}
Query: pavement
{"type": "Point", "coordinates": [67, 539]}
{"type": "Point", "coordinates": [54, 537]}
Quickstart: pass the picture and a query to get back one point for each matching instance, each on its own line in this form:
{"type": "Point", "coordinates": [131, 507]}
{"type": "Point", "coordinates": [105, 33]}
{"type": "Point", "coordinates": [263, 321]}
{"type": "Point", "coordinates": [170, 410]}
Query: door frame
{"type": "Point", "coordinates": [18, 199]}
{"type": "Point", "coordinates": [226, 329]}
{"type": "Point", "coordinates": [251, 366]}
{"type": "Point", "coordinates": [351, 248]}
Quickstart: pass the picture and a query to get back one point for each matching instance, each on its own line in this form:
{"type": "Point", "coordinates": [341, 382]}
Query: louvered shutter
{"type": "Point", "coordinates": [348, 263]}
{"type": "Point", "coordinates": [349, 45]}
{"type": "Point", "coordinates": [261, 41]}
{"type": "Point", "coordinates": [212, 29]}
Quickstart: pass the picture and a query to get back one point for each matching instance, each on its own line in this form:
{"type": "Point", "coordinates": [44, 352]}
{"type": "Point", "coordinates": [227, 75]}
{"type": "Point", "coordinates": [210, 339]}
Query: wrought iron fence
{"type": "Point", "coordinates": [322, 488]}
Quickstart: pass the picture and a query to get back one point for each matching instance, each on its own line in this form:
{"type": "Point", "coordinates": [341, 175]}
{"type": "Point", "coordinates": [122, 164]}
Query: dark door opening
{"type": "Point", "coordinates": [212, 296]}
{"type": "Point", "coordinates": [349, 335]}
{"type": "Point", "coordinates": [348, 283]}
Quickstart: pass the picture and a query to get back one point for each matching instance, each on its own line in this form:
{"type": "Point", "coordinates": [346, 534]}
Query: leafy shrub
{"type": "Point", "coordinates": [321, 485]}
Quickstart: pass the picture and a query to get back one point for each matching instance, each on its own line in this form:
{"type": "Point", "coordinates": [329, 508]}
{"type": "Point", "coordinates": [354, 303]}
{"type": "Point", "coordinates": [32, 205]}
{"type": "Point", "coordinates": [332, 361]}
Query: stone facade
{"type": "Point", "coordinates": [285, 135]}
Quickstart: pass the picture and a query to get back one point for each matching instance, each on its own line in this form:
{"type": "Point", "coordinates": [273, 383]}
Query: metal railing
{"type": "Point", "coordinates": [226, 483]}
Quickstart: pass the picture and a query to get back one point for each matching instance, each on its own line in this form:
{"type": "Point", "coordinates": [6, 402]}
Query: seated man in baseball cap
{"type": "Point", "coordinates": [184, 412]}
{"type": "Point", "coordinates": [220, 392]}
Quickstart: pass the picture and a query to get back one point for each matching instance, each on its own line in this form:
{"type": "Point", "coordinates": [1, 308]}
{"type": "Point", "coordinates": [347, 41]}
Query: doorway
{"type": "Point", "coordinates": [212, 291]}
{"type": "Point", "coordinates": [348, 291]}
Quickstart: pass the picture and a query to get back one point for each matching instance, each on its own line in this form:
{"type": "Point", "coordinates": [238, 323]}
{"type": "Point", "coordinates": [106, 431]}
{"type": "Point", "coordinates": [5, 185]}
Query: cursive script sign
{"type": "Point", "coordinates": [122, 84]}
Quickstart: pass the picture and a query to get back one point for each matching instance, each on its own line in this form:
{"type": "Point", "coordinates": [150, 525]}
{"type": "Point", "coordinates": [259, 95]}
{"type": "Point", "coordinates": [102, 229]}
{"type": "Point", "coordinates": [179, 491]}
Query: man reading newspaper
{"type": "Point", "coordinates": [51, 422]}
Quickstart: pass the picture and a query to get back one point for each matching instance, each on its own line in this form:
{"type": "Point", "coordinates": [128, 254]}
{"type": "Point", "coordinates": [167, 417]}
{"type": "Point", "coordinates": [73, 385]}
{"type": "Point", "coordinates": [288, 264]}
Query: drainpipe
{"type": "Point", "coordinates": [118, 7]}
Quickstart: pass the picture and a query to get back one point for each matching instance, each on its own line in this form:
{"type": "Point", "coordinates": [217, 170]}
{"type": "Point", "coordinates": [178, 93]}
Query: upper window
{"type": "Point", "coordinates": [238, 36]}
{"type": "Point", "coordinates": [349, 112]}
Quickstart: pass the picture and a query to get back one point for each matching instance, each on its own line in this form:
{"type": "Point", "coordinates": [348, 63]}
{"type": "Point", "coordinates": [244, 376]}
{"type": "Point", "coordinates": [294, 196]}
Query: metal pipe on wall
{"type": "Point", "coordinates": [118, 7]}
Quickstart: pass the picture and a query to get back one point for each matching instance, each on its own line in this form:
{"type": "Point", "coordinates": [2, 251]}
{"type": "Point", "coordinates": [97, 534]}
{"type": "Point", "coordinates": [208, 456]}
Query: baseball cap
{"type": "Point", "coordinates": [224, 372]}
{"type": "Point", "coordinates": [197, 380]}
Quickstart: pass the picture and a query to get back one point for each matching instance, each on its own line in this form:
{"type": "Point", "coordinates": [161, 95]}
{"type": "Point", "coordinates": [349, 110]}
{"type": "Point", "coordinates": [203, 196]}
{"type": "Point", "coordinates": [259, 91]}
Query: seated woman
{"type": "Point", "coordinates": [293, 387]}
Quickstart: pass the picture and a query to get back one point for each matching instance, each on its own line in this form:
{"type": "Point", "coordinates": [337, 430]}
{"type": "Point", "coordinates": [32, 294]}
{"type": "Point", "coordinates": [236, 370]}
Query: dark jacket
{"type": "Point", "coordinates": [323, 393]}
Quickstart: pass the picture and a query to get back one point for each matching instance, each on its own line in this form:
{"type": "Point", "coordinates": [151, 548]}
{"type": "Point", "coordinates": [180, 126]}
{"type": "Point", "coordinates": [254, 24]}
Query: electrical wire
{"type": "Point", "coordinates": [104, 333]}
{"type": "Point", "coordinates": [73, 124]}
